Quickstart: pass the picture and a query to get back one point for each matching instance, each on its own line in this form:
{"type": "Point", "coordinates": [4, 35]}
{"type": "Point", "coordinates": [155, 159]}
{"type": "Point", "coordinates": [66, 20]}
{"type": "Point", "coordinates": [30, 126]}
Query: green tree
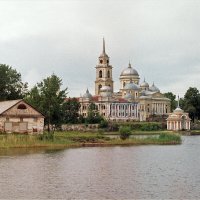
{"type": "Point", "coordinates": [172, 97]}
{"type": "Point", "coordinates": [71, 111]}
{"type": "Point", "coordinates": [11, 85]}
{"type": "Point", "coordinates": [48, 97]}
{"type": "Point", "coordinates": [192, 103]}
{"type": "Point", "coordinates": [93, 115]}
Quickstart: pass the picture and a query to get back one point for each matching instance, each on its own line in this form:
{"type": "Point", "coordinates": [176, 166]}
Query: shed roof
{"type": "Point", "coordinates": [5, 105]}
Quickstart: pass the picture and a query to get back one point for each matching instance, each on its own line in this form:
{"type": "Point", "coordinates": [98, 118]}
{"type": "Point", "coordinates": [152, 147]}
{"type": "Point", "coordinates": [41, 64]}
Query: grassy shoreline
{"type": "Point", "coordinates": [139, 132]}
{"type": "Point", "coordinates": [76, 139]}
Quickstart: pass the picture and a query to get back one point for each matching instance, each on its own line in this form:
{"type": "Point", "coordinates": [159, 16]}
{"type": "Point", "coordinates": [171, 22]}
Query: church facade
{"type": "Point", "coordinates": [135, 100]}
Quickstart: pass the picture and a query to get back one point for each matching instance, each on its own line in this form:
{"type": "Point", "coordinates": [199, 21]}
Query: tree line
{"type": "Point", "coordinates": [190, 102]}
{"type": "Point", "coordinates": [49, 98]}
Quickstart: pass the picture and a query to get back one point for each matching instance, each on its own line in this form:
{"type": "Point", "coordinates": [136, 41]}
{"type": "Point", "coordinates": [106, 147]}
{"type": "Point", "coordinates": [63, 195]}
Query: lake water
{"type": "Point", "coordinates": [134, 172]}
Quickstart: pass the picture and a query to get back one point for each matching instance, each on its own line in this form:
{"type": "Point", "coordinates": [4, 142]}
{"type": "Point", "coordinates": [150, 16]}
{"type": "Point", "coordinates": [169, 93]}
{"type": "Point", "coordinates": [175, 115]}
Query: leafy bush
{"type": "Point", "coordinates": [151, 127]}
{"type": "Point", "coordinates": [142, 126]}
{"type": "Point", "coordinates": [125, 132]}
{"type": "Point", "coordinates": [103, 124]}
{"type": "Point", "coordinates": [113, 127]}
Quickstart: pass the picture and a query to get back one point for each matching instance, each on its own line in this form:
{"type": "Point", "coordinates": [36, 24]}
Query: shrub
{"type": "Point", "coordinates": [151, 127]}
{"type": "Point", "coordinates": [143, 126]}
{"type": "Point", "coordinates": [103, 124]}
{"type": "Point", "coordinates": [125, 132]}
{"type": "Point", "coordinates": [113, 127]}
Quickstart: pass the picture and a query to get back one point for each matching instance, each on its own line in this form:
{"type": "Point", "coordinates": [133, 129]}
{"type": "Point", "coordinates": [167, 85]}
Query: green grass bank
{"type": "Point", "coordinates": [77, 139]}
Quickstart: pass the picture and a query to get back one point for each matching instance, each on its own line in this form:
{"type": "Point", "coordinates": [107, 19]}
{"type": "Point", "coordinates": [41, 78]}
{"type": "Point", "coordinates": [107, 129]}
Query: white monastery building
{"type": "Point", "coordinates": [135, 101]}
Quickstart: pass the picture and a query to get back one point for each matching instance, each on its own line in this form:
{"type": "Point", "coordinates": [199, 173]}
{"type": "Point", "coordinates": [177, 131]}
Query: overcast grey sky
{"type": "Point", "coordinates": [161, 38]}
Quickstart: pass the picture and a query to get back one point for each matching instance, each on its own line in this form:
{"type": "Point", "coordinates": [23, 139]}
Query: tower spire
{"type": "Point", "coordinates": [129, 64]}
{"type": "Point", "coordinates": [178, 102]}
{"type": "Point", "coordinates": [104, 46]}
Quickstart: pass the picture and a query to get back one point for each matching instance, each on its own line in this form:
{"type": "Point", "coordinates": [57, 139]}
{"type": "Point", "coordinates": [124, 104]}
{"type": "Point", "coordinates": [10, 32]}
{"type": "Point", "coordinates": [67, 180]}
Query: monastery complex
{"type": "Point", "coordinates": [135, 101]}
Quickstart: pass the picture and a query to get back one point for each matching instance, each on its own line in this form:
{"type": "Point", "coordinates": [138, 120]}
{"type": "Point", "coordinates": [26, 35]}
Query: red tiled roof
{"type": "Point", "coordinates": [95, 98]}
{"type": "Point", "coordinates": [121, 100]}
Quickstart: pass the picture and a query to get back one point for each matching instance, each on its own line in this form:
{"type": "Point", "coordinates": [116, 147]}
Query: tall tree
{"type": "Point", "coordinates": [192, 103]}
{"type": "Point", "coordinates": [71, 111]}
{"type": "Point", "coordinates": [11, 85]}
{"type": "Point", "coordinates": [48, 97]}
{"type": "Point", "coordinates": [172, 97]}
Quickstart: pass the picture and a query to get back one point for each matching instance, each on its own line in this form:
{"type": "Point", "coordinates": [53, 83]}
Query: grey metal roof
{"type": "Point", "coordinates": [178, 110]}
{"type": "Point", "coordinates": [106, 94]}
{"type": "Point", "coordinates": [153, 88]}
{"type": "Point", "coordinates": [131, 86]}
{"type": "Point", "coordinates": [105, 88]}
{"type": "Point", "coordinates": [87, 94]}
{"type": "Point", "coordinates": [144, 84]}
{"type": "Point", "coordinates": [129, 71]}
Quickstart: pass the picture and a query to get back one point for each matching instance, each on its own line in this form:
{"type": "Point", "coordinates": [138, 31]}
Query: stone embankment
{"type": "Point", "coordinates": [80, 127]}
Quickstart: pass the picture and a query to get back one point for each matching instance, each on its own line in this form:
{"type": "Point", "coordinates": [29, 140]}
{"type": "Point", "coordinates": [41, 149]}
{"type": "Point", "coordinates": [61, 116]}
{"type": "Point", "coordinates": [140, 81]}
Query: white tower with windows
{"type": "Point", "coordinates": [103, 72]}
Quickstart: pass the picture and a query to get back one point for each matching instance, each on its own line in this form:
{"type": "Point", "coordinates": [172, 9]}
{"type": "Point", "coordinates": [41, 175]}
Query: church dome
{"type": "Point", "coordinates": [106, 89]}
{"type": "Point", "coordinates": [129, 71]}
{"type": "Point", "coordinates": [131, 86]}
{"type": "Point", "coordinates": [144, 84]}
{"type": "Point", "coordinates": [153, 88]}
{"type": "Point", "coordinates": [87, 95]}
{"type": "Point", "coordinates": [106, 94]}
{"type": "Point", "coordinates": [178, 110]}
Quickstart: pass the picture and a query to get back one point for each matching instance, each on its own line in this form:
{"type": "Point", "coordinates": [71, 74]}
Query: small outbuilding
{"type": "Point", "coordinates": [17, 116]}
{"type": "Point", "coordinates": [178, 120]}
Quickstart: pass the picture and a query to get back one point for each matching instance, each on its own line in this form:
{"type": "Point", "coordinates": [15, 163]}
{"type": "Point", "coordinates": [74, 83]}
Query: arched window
{"type": "Point", "coordinates": [101, 61]}
{"type": "Point", "coordinates": [21, 106]}
{"type": "Point", "coordinates": [124, 83]}
{"type": "Point", "coordinates": [100, 74]}
{"type": "Point", "coordinates": [108, 61]}
{"type": "Point", "coordinates": [108, 74]}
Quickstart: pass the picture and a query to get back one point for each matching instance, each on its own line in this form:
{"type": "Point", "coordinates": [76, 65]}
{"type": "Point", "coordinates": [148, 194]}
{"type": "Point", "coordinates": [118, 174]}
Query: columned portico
{"type": "Point", "coordinates": [178, 120]}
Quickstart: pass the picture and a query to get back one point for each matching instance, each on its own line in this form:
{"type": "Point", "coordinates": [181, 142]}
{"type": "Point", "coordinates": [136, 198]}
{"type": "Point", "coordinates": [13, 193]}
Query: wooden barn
{"type": "Point", "coordinates": [17, 116]}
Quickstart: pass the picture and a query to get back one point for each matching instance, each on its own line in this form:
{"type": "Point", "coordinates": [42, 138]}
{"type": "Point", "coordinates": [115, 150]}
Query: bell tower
{"type": "Point", "coordinates": [103, 72]}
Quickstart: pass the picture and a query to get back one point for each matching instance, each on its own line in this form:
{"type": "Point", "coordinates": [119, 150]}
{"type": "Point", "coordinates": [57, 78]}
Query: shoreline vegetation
{"type": "Point", "coordinates": [86, 139]}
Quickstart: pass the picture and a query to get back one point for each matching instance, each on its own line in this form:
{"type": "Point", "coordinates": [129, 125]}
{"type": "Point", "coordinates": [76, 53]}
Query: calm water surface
{"type": "Point", "coordinates": [147, 172]}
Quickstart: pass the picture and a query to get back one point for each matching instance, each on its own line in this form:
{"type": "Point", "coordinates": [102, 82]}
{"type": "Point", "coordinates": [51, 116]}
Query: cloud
{"type": "Point", "coordinates": [65, 37]}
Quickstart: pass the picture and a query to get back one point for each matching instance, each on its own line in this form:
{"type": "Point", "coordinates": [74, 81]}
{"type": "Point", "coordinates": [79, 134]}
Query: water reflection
{"type": "Point", "coordinates": [146, 172]}
{"type": "Point", "coordinates": [6, 152]}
